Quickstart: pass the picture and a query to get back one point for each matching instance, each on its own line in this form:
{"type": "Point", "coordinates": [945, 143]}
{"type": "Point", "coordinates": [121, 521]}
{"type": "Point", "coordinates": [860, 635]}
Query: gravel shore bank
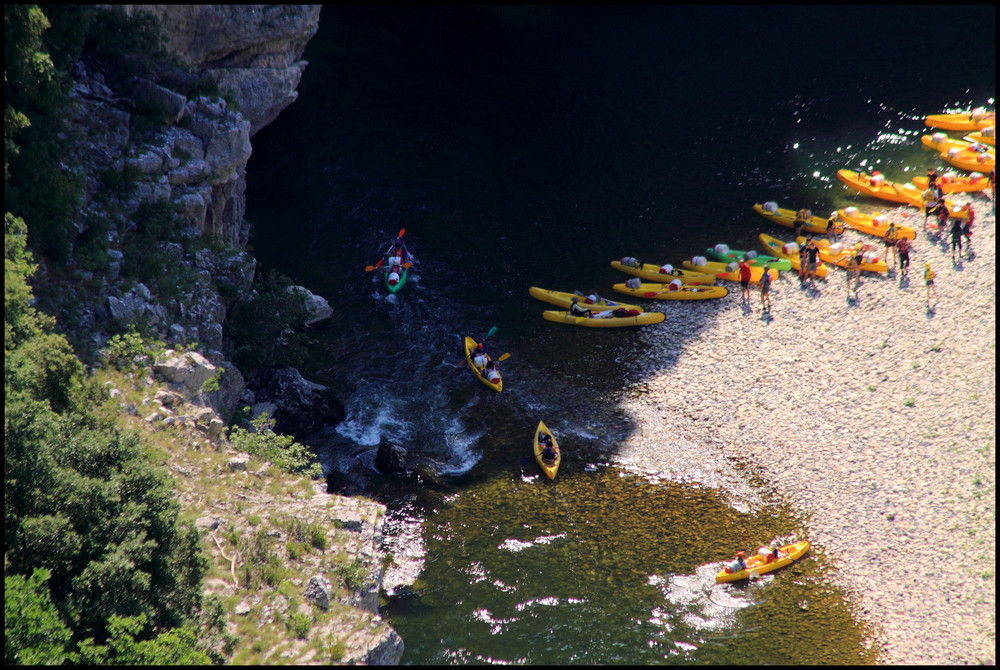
{"type": "Point", "coordinates": [876, 418]}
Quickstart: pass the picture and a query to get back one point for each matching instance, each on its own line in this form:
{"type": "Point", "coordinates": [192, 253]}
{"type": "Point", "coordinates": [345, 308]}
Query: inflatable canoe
{"type": "Point", "coordinates": [667, 292]}
{"type": "Point", "coordinates": [721, 271]}
{"type": "Point", "coordinates": [786, 217]}
{"type": "Point", "coordinates": [470, 344]}
{"type": "Point", "coordinates": [836, 254]}
{"type": "Point", "coordinates": [971, 161]}
{"type": "Point", "coordinates": [564, 300]}
{"type": "Point", "coordinates": [964, 122]}
{"type": "Point", "coordinates": [778, 247]}
{"type": "Point", "coordinates": [730, 255]}
{"type": "Point", "coordinates": [952, 183]}
{"type": "Point", "coordinates": [604, 321]}
{"type": "Point", "coordinates": [874, 224]}
{"type": "Point", "coordinates": [757, 564]}
{"type": "Point", "coordinates": [942, 143]}
{"type": "Point", "coordinates": [904, 194]}
{"type": "Point", "coordinates": [987, 135]}
{"type": "Point", "coordinates": [548, 467]}
{"type": "Point", "coordinates": [656, 273]}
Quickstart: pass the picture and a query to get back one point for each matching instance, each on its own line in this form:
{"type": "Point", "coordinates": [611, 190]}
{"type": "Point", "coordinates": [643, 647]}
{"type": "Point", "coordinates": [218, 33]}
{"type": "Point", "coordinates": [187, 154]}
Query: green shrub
{"type": "Point", "coordinates": [282, 450]}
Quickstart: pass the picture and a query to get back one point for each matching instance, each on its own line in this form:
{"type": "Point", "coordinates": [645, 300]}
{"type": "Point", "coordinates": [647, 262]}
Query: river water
{"type": "Point", "coordinates": [527, 146]}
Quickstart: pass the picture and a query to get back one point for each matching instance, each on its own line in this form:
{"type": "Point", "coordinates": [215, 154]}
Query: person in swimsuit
{"type": "Point", "coordinates": [765, 289]}
{"type": "Point", "coordinates": [929, 280]}
{"type": "Point", "coordinates": [812, 259]}
{"type": "Point", "coordinates": [903, 246]}
{"type": "Point", "coordinates": [891, 238]}
{"type": "Point", "coordinates": [745, 275]}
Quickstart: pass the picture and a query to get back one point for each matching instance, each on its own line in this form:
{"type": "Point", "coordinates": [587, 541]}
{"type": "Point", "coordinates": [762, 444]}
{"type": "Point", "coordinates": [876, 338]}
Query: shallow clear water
{"type": "Point", "coordinates": [522, 146]}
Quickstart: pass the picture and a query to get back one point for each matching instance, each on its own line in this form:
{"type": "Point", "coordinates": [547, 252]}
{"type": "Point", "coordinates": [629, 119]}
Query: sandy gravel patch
{"type": "Point", "coordinates": [877, 418]}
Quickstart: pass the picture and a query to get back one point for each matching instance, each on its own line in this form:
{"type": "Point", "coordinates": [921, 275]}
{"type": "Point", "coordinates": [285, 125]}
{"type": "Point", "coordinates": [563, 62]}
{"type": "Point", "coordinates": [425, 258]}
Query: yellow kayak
{"type": "Point", "coordinates": [973, 121]}
{"type": "Point", "coordinates": [942, 143]}
{"type": "Point", "coordinates": [786, 217]}
{"type": "Point", "coordinates": [548, 467]}
{"type": "Point", "coordinates": [874, 185]}
{"type": "Point", "coordinates": [656, 273]}
{"type": "Point", "coordinates": [721, 271]}
{"type": "Point", "coordinates": [564, 300]}
{"type": "Point", "coordinates": [987, 135]}
{"type": "Point", "coordinates": [778, 248]}
{"type": "Point", "coordinates": [757, 564]}
{"type": "Point", "coordinates": [836, 254]}
{"type": "Point", "coordinates": [668, 292]}
{"type": "Point", "coordinates": [874, 224]}
{"type": "Point", "coordinates": [970, 160]}
{"type": "Point", "coordinates": [952, 183]}
{"type": "Point", "coordinates": [602, 320]}
{"type": "Point", "coordinates": [470, 344]}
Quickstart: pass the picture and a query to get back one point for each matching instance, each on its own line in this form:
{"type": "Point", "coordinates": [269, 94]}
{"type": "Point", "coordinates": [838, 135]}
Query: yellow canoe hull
{"type": "Point", "coordinates": [470, 344]}
{"type": "Point", "coordinates": [841, 259]}
{"type": "Point", "coordinates": [549, 469]}
{"type": "Point", "coordinates": [786, 218]}
{"type": "Point", "coordinates": [644, 319]}
{"type": "Point", "coordinates": [970, 161]}
{"type": "Point", "coordinates": [719, 270]}
{"type": "Point", "coordinates": [959, 121]}
{"type": "Point", "coordinates": [651, 272]}
{"type": "Point", "coordinates": [866, 223]}
{"type": "Point", "coordinates": [663, 291]}
{"type": "Point", "coordinates": [757, 565]}
{"type": "Point", "coordinates": [776, 248]}
{"type": "Point", "coordinates": [905, 194]}
{"type": "Point", "coordinates": [564, 300]}
{"type": "Point", "coordinates": [963, 184]}
{"type": "Point", "coordinates": [980, 136]}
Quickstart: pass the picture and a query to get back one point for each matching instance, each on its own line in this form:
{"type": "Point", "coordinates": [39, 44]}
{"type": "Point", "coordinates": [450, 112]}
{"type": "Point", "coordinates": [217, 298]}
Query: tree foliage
{"type": "Point", "coordinates": [33, 632]}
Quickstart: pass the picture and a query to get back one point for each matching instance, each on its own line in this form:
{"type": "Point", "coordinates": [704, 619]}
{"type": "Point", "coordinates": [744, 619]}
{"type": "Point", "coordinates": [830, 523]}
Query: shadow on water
{"type": "Point", "coordinates": [530, 146]}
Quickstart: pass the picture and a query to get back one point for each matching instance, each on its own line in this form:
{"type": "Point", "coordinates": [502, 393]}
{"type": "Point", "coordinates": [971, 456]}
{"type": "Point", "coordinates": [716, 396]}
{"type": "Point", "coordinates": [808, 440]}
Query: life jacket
{"type": "Point", "coordinates": [479, 361]}
{"type": "Point", "coordinates": [591, 299]}
{"type": "Point", "coordinates": [395, 260]}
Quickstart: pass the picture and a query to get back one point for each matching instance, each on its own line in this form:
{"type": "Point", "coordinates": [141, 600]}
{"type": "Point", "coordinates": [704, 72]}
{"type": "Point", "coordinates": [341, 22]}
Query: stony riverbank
{"type": "Point", "coordinates": [875, 416]}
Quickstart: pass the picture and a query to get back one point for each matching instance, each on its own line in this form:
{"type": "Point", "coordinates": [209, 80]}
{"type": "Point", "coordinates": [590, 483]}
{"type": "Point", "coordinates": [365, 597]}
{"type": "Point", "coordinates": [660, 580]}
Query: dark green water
{"type": "Point", "coordinates": [524, 146]}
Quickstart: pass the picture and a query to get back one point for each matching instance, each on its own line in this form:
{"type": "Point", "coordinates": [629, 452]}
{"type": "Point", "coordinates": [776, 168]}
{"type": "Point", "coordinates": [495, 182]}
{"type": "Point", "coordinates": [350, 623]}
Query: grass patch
{"type": "Point", "coordinates": [909, 402]}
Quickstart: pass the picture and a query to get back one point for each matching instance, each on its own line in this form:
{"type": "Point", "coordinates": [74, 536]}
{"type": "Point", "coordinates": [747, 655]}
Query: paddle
{"type": "Point", "coordinates": [369, 268]}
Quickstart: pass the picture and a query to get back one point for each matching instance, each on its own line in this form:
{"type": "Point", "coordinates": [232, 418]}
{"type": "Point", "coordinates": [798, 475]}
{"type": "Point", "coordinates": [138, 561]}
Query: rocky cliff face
{"type": "Point", "coordinates": [253, 52]}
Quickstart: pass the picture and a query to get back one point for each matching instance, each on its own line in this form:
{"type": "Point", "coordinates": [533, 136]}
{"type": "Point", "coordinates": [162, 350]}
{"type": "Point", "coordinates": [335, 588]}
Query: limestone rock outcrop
{"type": "Point", "coordinates": [253, 52]}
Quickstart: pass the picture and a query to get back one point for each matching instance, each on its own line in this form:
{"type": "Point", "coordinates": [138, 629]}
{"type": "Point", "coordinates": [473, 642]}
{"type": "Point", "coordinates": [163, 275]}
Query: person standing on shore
{"type": "Point", "coordinates": [765, 289]}
{"type": "Point", "coordinates": [812, 259]}
{"type": "Point", "coordinates": [956, 238]}
{"type": "Point", "coordinates": [904, 256]}
{"type": "Point", "coordinates": [929, 280]}
{"type": "Point", "coordinates": [993, 187]}
{"type": "Point", "coordinates": [745, 275]}
{"type": "Point", "coordinates": [967, 230]}
{"type": "Point", "coordinates": [853, 272]}
{"type": "Point", "coordinates": [801, 218]}
{"type": "Point", "coordinates": [890, 243]}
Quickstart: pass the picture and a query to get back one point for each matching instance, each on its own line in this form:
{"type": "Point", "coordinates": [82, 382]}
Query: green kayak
{"type": "Point", "coordinates": [731, 255]}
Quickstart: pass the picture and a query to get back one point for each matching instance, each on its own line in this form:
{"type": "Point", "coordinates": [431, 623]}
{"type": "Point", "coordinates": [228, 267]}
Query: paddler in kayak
{"type": "Point", "coordinates": [490, 371]}
{"type": "Point", "coordinates": [479, 357]}
{"type": "Point", "coordinates": [548, 450]}
{"type": "Point", "coordinates": [576, 309]}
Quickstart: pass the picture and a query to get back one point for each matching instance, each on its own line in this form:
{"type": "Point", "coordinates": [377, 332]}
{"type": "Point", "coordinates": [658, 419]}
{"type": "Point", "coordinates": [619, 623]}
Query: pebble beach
{"type": "Point", "coordinates": [872, 415]}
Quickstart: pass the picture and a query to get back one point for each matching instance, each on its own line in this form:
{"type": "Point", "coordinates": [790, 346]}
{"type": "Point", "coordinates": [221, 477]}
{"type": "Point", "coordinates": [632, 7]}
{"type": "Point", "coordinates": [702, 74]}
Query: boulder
{"type": "Point", "coordinates": [190, 369]}
{"type": "Point", "coordinates": [390, 459]}
{"type": "Point", "coordinates": [301, 407]}
{"type": "Point", "coordinates": [318, 591]}
{"type": "Point", "coordinates": [153, 96]}
{"type": "Point", "coordinates": [317, 306]}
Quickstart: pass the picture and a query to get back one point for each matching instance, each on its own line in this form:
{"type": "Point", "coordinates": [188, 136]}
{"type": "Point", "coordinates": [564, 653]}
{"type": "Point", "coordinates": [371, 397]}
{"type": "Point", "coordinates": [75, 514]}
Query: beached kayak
{"type": "Point", "coordinates": [497, 385]}
{"type": "Point", "coordinates": [790, 251]}
{"type": "Point", "coordinates": [604, 320]}
{"type": "Point", "coordinates": [723, 254]}
{"type": "Point", "coordinates": [964, 122]}
{"type": "Point", "coordinates": [548, 467]}
{"type": "Point", "coordinates": [952, 183]}
{"type": "Point", "coordinates": [564, 300]}
{"type": "Point", "coordinates": [875, 224]}
{"type": "Point", "coordinates": [837, 254]}
{"type": "Point", "coordinates": [877, 187]}
{"type": "Point", "coordinates": [786, 218]}
{"type": "Point", "coordinates": [656, 273]}
{"type": "Point", "coordinates": [757, 564]}
{"type": "Point", "coordinates": [722, 271]}
{"type": "Point", "coordinates": [669, 292]}
{"type": "Point", "coordinates": [942, 143]}
{"type": "Point", "coordinates": [970, 160]}
{"type": "Point", "coordinates": [987, 135]}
